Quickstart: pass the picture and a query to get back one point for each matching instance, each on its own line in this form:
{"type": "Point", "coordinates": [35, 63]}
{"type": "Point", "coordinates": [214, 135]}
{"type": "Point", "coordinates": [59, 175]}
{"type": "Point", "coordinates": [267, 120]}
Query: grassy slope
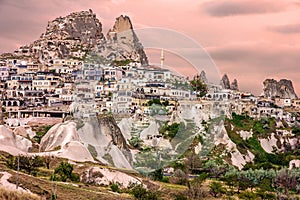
{"type": "Point", "coordinates": [12, 195]}
{"type": "Point", "coordinates": [43, 187]}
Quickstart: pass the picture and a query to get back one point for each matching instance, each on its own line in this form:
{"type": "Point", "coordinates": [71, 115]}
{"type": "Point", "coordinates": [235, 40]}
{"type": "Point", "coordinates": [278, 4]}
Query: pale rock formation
{"type": "Point", "coordinates": [269, 144]}
{"type": "Point", "coordinates": [13, 144]}
{"type": "Point", "coordinates": [150, 131]}
{"type": "Point", "coordinates": [125, 126]}
{"type": "Point", "coordinates": [198, 148]}
{"type": "Point", "coordinates": [59, 135]}
{"type": "Point", "coordinates": [122, 43]}
{"type": "Point", "coordinates": [237, 158]}
{"type": "Point", "coordinates": [104, 176]}
{"type": "Point", "coordinates": [78, 34]}
{"type": "Point", "coordinates": [294, 164]}
{"type": "Point", "coordinates": [24, 131]}
{"type": "Point", "coordinates": [104, 135]}
{"type": "Point", "coordinates": [76, 151]}
{"type": "Point", "coordinates": [245, 134]}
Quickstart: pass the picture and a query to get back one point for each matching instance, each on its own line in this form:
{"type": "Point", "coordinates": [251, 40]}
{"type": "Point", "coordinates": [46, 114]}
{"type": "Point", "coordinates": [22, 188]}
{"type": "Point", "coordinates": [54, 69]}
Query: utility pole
{"type": "Point", "coordinates": [1, 105]}
{"type": "Point", "coordinates": [18, 168]}
{"type": "Point", "coordinates": [162, 58]}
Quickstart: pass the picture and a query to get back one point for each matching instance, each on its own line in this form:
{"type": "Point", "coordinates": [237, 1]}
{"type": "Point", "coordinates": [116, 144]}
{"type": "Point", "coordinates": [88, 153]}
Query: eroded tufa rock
{"type": "Point", "coordinates": [282, 89]}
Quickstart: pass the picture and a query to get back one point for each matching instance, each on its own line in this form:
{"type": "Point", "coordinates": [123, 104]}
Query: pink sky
{"type": "Point", "coordinates": [248, 39]}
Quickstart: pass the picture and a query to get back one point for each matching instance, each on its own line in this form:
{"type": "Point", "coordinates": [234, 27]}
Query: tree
{"type": "Point", "coordinates": [47, 160]}
{"type": "Point", "coordinates": [287, 179]}
{"type": "Point", "coordinates": [157, 175]}
{"type": "Point", "coordinates": [179, 177]}
{"type": "Point", "coordinates": [194, 189]}
{"type": "Point", "coordinates": [29, 164]}
{"type": "Point", "coordinates": [216, 189]}
{"type": "Point", "coordinates": [141, 193]}
{"type": "Point", "coordinates": [64, 172]}
{"type": "Point", "coordinates": [154, 101]}
{"type": "Point", "coordinates": [199, 87]}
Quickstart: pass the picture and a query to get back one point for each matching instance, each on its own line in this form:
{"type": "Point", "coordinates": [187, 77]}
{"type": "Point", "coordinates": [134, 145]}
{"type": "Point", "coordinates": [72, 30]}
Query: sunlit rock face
{"type": "Point", "coordinates": [65, 37]}
{"type": "Point", "coordinates": [122, 43]}
{"type": "Point", "coordinates": [101, 176]}
{"type": "Point", "coordinates": [12, 143]}
{"type": "Point", "coordinates": [79, 33]}
{"type": "Point", "coordinates": [59, 135]}
{"type": "Point", "coordinates": [83, 139]}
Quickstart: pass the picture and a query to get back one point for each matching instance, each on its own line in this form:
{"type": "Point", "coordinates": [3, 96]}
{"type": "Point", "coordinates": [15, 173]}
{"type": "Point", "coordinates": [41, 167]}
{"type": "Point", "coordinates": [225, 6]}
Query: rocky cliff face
{"type": "Point", "coordinates": [78, 33]}
{"type": "Point", "coordinates": [283, 88]}
{"type": "Point", "coordinates": [109, 126]}
{"type": "Point", "coordinates": [65, 37]}
{"type": "Point", "coordinates": [225, 82]}
{"type": "Point", "coordinates": [234, 85]}
{"type": "Point", "coordinates": [122, 43]}
{"type": "Point", "coordinates": [203, 77]}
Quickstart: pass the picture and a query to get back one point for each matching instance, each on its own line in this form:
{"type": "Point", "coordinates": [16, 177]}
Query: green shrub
{"type": "Point", "coordinates": [64, 172]}
{"type": "Point", "coordinates": [157, 175]}
{"type": "Point", "coordinates": [141, 193]}
{"type": "Point", "coordinates": [170, 130]}
{"type": "Point", "coordinates": [115, 187]}
{"type": "Point", "coordinates": [40, 134]}
{"type": "Point", "coordinates": [154, 101]}
{"type": "Point", "coordinates": [296, 131]}
{"type": "Point", "coordinates": [180, 197]}
{"type": "Point", "coordinates": [265, 195]}
{"type": "Point", "coordinates": [216, 189]}
{"type": "Point", "coordinates": [246, 195]}
{"type": "Point", "coordinates": [165, 179]}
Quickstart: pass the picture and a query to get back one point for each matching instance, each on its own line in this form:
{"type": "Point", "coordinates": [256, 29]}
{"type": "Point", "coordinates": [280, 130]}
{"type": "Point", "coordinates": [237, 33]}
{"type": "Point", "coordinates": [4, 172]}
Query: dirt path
{"type": "Point", "coordinates": [4, 183]}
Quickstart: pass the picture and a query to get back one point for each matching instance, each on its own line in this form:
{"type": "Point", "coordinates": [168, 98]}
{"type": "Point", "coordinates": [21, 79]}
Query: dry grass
{"type": "Point", "coordinates": [64, 191]}
{"type": "Point", "coordinates": [13, 195]}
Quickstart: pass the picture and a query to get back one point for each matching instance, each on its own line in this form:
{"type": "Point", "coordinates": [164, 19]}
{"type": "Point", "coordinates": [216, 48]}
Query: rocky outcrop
{"type": "Point", "coordinates": [13, 144]}
{"type": "Point", "coordinates": [203, 77]}
{"type": "Point", "coordinates": [238, 158]}
{"type": "Point", "coordinates": [65, 37]}
{"type": "Point", "coordinates": [59, 135]}
{"type": "Point", "coordinates": [282, 89]}
{"type": "Point", "coordinates": [105, 141]}
{"type": "Point", "coordinates": [78, 34]}
{"type": "Point", "coordinates": [119, 146]}
{"type": "Point", "coordinates": [104, 176]}
{"type": "Point", "coordinates": [234, 85]}
{"type": "Point", "coordinates": [122, 43]}
{"type": "Point", "coordinates": [225, 82]}
{"type": "Point", "coordinates": [109, 126]}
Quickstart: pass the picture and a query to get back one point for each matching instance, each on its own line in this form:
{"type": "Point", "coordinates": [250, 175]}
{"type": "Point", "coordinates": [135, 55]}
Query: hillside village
{"type": "Point", "coordinates": [123, 89]}
{"type": "Point", "coordinates": [75, 94]}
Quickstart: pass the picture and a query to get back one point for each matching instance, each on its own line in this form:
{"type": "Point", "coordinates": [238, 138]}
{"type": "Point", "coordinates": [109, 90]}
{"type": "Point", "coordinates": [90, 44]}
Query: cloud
{"type": "Point", "coordinates": [270, 58]}
{"type": "Point", "coordinates": [286, 29]}
{"type": "Point", "coordinates": [224, 8]}
{"type": "Point", "coordinates": [252, 63]}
